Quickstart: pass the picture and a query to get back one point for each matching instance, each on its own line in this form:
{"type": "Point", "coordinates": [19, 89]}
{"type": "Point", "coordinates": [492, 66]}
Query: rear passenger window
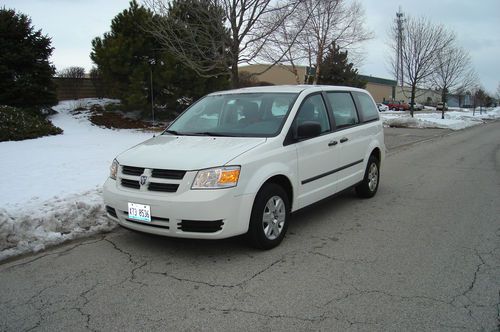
{"type": "Point", "coordinates": [369, 110]}
{"type": "Point", "coordinates": [344, 110]}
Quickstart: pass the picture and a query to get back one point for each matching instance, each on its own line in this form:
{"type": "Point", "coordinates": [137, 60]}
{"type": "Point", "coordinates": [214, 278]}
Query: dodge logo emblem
{"type": "Point", "coordinates": [143, 179]}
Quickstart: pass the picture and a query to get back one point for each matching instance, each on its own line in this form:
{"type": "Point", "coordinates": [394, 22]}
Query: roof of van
{"type": "Point", "coordinates": [287, 89]}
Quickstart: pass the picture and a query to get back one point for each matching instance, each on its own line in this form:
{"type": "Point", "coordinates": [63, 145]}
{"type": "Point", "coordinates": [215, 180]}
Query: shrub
{"type": "Point", "coordinates": [18, 124]}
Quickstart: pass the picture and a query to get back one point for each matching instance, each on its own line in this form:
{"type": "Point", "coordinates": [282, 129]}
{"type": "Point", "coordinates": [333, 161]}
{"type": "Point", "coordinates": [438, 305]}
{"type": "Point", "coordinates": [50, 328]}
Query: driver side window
{"type": "Point", "coordinates": [313, 109]}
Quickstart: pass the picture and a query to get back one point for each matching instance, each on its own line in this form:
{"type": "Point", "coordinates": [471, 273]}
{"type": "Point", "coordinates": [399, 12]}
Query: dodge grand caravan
{"type": "Point", "coordinates": [240, 161]}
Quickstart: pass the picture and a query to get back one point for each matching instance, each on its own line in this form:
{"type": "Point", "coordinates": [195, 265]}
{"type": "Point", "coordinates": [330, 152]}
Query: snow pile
{"type": "Point", "coordinates": [51, 191]}
{"type": "Point", "coordinates": [455, 119]}
{"type": "Point", "coordinates": [52, 222]}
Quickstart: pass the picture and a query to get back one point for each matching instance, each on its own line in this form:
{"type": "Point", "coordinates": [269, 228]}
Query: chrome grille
{"type": "Point", "coordinates": [130, 170]}
{"type": "Point", "coordinates": [130, 183]}
{"type": "Point", "coordinates": [168, 174]}
{"type": "Point", "coordinates": [131, 178]}
{"type": "Point", "coordinates": [165, 187]}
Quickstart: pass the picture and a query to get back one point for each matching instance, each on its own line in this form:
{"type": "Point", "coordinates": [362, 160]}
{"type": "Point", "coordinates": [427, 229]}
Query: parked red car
{"type": "Point", "coordinates": [397, 106]}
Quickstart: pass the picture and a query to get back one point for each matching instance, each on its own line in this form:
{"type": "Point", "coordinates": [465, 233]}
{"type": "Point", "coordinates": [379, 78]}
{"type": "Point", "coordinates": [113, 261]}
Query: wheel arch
{"type": "Point", "coordinates": [284, 182]}
{"type": "Point", "coordinates": [377, 154]}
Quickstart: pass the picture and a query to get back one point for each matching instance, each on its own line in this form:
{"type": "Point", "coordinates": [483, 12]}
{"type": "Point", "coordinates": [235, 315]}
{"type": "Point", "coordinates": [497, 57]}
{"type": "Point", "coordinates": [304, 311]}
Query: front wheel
{"type": "Point", "coordinates": [369, 186]}
{"type": "Point", "coordinates": [269, 218]}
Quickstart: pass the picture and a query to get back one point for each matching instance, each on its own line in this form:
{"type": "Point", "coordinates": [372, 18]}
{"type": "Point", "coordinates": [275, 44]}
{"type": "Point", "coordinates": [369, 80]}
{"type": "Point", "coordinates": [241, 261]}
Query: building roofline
{"type": "Point", "coordinates": [369, 79]}
{"type": "Point", "coordinates": [379, 80]}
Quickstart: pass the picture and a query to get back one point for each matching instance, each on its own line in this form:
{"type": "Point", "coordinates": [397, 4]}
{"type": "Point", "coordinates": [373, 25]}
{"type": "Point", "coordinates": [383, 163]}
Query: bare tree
{"type": "Point", "coordinates": [72, 72]}
{"type": "Point", "coordinates": [322, 24]}
{"type": "Point", "coordinates": [248, 26]}
{"type": "Point", "coordinates": [453, 73]}
{"type": "Point", "coordinates": [285, 44]}
{"type": "Point", "coordinates": [481, 99]}
{"type": "Point", "coordinates": [329, 22]}
{"type": "Point", "coordinates": [74, 79]}
{"type": "Point", "coordinates": [421, 42]}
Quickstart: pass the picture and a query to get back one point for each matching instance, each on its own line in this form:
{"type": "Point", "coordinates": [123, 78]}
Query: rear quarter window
{"type": "Point", "coordinates": [369, 110]}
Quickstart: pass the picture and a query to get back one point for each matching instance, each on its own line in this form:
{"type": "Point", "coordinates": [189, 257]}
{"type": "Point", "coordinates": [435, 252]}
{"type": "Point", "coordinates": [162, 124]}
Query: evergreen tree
{"type": "Point", "coordinates": [127, 56]}
{"type": "Point", "coordinates": [337, 70]}
{"type": "Point", "coordinates": [25, 70]}
{"type": "Point", "coordinates": [122, 57]}
{"type": "Point", "coordinates": [195, 15]}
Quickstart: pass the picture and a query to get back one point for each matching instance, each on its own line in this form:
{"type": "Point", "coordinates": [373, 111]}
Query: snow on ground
{"type": "Point", "coordinates": [50, 190]}
{"type": "Point", "coordinates": [454, 119]}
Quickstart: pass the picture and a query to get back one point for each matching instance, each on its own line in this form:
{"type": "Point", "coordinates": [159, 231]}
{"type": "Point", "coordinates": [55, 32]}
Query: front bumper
{"type": "Point", "coordinates": [172, 212]}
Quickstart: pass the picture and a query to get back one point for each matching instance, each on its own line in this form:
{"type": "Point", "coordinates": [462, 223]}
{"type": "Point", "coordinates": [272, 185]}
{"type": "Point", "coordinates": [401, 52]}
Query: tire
{"type": "Point", "coordinates": [269, 217]}
{"type": "Point", "coordinates": [369, 186]}
{"type": "Point", "coordinates": [394, 109]}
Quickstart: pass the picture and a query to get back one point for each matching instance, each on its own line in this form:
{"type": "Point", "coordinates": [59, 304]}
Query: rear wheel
{"type": "Point", "coordinates": [369, 186]}
{"type": "Point", "coordinates": [269, 218]}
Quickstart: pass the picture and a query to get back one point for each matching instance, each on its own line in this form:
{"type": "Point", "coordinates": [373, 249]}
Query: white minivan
{"type": "Point", "coordinates": [240, 161]}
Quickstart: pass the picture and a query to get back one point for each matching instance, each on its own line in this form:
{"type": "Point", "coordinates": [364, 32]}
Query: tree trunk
{"type": "Point", "coordinates": [319, 60]}
{"type": "Point", "coordinates": [412, 97]}
{"type": "Point", "coordinates": [235, 79]}
{"type": "Point", "coordinates": [234, 56]}
{"type": "Point", "coordinates": [296, 74]}
{"type": "Point", "coordinates": [443, 99]}
{"type": "Point", "coordinates": [315, 80]}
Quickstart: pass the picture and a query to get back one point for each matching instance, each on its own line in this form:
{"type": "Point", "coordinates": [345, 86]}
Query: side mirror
{"type": "Point", "coordinates": [308, 129]}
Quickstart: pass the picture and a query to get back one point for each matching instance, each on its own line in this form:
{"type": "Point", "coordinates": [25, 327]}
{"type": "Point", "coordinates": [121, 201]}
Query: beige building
{"type": "Point", "coordinates": [277, 75]}
{"type": "Point", "coordinates": [381, 89]}
{"type": "Point", "coordinates": [422, 96]}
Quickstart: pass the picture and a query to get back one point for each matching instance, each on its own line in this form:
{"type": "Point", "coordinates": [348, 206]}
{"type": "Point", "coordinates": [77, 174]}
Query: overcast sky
{"type": "Point", "coordinates": [72, 24]}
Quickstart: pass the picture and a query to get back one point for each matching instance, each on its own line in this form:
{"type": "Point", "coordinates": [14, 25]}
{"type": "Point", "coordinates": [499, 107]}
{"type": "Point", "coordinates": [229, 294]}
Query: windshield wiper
{"type": "Point", "coordinates": [209, 133]}
{"type": "Point", "coordinates": [173, 132]}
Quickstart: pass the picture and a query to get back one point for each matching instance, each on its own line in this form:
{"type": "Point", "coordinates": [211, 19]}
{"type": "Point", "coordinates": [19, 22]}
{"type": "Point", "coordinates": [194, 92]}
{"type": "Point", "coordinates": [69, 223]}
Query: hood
{"type": "Point", "coordinates": [187, 152]}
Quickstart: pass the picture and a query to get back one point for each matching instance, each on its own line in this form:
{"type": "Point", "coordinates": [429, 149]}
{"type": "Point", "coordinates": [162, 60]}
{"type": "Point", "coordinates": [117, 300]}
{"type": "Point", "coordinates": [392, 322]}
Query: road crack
{"type": "Point", "coordinates": [216, 285]}
{"type": "Point", "coordinates": [131, 260]}
{"type": "Point", "coordinates": [86, 300]}
{"type": "Point", "coordinates": [316, 319]}
{"type": "Point", "coordinates": [354, 261]}
{"type": "Point", "coordinates": [57, 254]}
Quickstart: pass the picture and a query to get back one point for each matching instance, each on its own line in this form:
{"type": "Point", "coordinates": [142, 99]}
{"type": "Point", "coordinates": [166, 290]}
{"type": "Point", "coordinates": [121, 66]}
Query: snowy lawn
{"type": "Point", "coordinates": [51, 186]}
{"type": "Point", "coordinates": [454, 119]}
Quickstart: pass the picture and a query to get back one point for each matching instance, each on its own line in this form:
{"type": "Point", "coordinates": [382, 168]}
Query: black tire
{"type": "Point", "coordinates": [369, 186]}
{"type": "Point", "coordinates": [267, 233]}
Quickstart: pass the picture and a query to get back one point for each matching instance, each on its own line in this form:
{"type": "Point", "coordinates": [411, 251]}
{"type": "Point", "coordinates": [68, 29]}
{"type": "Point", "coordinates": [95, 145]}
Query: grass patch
{"type": "Point", "coordinates": [116, 120]}
{"type": "Point", "coordinates": [117, 116]}
{"type": "Point", "coordinates": [18, 124]}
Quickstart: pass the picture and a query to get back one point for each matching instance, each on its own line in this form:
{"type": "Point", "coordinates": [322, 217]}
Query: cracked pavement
{"type": "Point", "coordinates": [424, 254]}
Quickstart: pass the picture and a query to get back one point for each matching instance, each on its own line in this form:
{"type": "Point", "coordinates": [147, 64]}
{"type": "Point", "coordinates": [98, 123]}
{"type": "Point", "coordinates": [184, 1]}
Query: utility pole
{"type": "Point", "coordinates": [399, 51]}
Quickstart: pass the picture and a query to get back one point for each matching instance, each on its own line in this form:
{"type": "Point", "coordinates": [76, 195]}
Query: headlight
{"type": "Point", "coordinates": [113, 170]}
{"type": "Point", "coordinates": [216, 178]}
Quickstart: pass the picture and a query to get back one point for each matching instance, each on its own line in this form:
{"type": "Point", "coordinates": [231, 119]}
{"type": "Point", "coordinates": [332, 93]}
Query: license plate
{"type": "Point", "coordinates": [139, 212]}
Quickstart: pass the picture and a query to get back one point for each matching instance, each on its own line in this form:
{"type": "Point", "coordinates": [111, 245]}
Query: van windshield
{"type": "Point", "coordinates": [236, 115]}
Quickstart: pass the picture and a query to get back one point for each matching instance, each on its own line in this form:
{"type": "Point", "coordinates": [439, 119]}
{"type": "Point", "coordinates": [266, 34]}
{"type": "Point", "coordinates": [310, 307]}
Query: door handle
{"type": "Point", "coordinates": [332, 143]}
{"type": "Point", "coordinates": [343, 139]}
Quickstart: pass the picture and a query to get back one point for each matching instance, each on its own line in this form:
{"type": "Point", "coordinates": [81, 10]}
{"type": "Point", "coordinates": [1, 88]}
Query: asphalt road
{"type": "Point", "coordinates": [424, 254]}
